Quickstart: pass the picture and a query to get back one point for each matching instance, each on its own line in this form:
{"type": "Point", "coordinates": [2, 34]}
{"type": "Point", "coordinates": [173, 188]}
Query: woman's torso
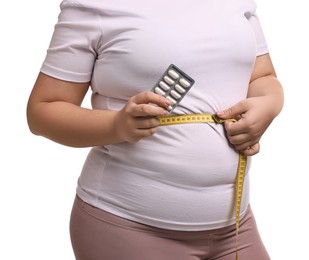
{"type": "Point", "coordinates": [183, 176]}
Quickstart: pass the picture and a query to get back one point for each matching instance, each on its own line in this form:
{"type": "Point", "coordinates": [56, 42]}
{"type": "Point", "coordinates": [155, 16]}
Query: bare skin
{"type": "Point", "coordinates": [54, 111]}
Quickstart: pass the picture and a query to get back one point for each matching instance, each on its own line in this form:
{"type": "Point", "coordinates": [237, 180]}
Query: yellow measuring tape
{"type": "Point", "coordinates": [242, 162]}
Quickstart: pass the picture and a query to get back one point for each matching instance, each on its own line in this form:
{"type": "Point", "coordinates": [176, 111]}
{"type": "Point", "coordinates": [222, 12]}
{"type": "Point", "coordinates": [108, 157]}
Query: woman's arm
{"type": "Point", "coordinates": [54, 111]}
{"type": "Point", "coordinates": [264, 102]}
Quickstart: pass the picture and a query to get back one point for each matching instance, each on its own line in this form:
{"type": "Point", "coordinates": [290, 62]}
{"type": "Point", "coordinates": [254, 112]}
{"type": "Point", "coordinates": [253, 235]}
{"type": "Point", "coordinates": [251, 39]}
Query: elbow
{"type": "Point", "coordinates": [32, 129]}
{"type": "Point", "coordinates": [31, 120]}
{"type": "Point", "coordinates": [31, 126]}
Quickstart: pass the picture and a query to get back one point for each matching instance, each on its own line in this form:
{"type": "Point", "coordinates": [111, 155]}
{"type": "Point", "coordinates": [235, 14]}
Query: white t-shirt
{"type": "Point", "coordinates": [183, 177]}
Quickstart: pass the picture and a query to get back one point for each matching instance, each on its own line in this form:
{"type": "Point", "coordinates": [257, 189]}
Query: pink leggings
{"type": "Point", "coordinates": [99, 235]}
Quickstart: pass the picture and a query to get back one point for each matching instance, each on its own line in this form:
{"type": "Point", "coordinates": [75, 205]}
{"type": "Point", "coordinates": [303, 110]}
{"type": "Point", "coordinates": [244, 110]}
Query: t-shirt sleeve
{"type": "Point", "coordinates": [261, 44]}
{"type": "Point", "coordinates": [72, 50]}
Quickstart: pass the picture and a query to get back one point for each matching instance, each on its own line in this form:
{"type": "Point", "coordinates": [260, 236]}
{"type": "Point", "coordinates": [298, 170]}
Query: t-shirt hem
{"type": "Point", "coordinates": [157, 223]}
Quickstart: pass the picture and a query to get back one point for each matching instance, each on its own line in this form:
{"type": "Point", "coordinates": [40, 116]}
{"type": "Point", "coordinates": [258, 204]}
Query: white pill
{"type": "Point", "coordinates": [164, 85]}
{"type": "Point", "coordinates": [168, 80]}
{"type": "Point", "coordinates": [184, 83]}
{"type": "Point", "coordinates": [173, 101]}
{"type": "Point", "coordinates": [180, 89]}
{"type": "Point", "coordinates": [159, 91]}
{"type": "Point", "coordinates": [175, 94]}
{"type": "Point", "coordinates": [173, 74]}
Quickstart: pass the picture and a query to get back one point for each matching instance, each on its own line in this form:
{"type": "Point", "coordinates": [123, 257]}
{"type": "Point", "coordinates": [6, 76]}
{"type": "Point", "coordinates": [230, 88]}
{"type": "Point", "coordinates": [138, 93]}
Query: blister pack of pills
{"type": "Point", "coordinates": [174, 84]}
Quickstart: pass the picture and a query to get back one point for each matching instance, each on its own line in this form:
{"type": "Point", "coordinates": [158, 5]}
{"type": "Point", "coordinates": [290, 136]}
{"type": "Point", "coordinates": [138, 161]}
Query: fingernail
{"type": "Point", "coordinates": [165, 113]}
{"type": "Point", "coordinates": [220, 113]}
{"type": "Point", "coordinates": [167, 102]}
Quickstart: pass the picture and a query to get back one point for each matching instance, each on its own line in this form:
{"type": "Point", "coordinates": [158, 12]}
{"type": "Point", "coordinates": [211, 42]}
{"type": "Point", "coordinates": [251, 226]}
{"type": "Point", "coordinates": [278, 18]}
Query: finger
{"type": "Point", "coordinates": [238, 139]}
{"type": "Point", "coordinates": [147, 122]}
{"type": "Point", "coordinates": [234, 111]}
{"type": "Point", "coordinates": [251, 150]}
{"type": "Point", "coordinates": [235, 128]}
{"type": "Point", "coordinates": [241, 136]}
{"type": "Point", "coordinates": [146, 110]}
{"type": "Point", "coordinates": [147, 97]}
{"type": "Point", "coordinates": [246, 145]}
{"type": "Point", "coordinates": [142, 133]}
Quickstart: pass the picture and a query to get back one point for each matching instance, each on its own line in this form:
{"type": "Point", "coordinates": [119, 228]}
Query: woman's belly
{"type": "Point", "coordinates": [195, 155]}
{"type": "Point", "coordinates": [182, 178]}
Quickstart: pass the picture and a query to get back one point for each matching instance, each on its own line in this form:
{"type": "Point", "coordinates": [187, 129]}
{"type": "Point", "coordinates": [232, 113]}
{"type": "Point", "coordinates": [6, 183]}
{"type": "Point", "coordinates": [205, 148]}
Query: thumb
{"type": "Point", "coordinates": [232, 112]}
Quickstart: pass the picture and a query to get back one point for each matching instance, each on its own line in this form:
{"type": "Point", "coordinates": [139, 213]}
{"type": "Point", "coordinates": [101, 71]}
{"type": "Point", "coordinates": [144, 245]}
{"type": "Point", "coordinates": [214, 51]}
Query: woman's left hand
{"type": "Point", "coordinates": [253, 118]}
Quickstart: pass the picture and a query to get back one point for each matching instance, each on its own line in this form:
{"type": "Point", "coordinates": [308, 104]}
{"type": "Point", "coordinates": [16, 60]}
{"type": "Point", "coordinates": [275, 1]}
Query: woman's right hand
{"type": "Point", "coordinates": [139, 117]}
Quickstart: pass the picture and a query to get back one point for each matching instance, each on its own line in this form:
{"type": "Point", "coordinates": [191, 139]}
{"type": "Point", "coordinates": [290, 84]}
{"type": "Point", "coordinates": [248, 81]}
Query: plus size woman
{"type": "Point", "coordinates": [149, 192]}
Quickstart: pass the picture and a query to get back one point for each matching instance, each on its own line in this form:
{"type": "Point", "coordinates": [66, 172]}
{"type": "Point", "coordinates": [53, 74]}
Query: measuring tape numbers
{"type": "Point", "coordinates": [242, 162]}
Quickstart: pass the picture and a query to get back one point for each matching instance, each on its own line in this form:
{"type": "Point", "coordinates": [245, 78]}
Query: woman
{"type": "Point", "coordinates": [148, 191]}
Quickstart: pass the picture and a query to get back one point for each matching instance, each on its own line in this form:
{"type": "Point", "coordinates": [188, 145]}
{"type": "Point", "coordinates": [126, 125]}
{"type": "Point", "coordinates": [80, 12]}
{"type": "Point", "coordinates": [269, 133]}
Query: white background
{"type": "Point", "coordinates": [38, 177]}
